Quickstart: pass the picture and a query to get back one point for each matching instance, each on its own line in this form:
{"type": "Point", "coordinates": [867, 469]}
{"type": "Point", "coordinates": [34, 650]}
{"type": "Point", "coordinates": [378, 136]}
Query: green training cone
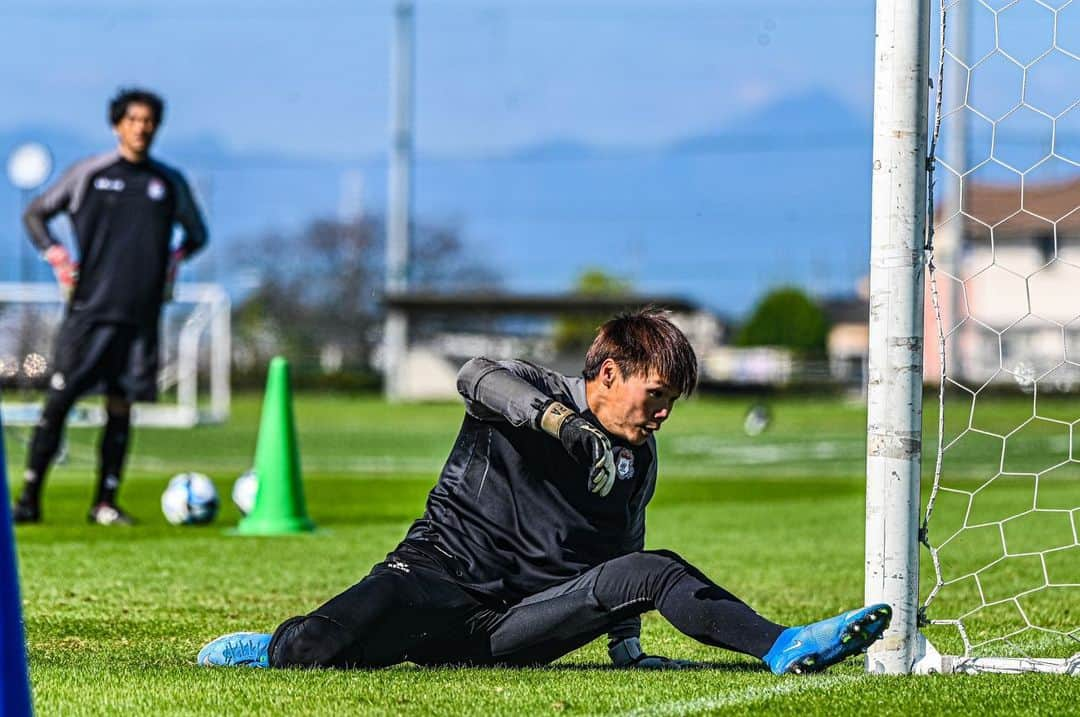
{"type": "Point", "coordinates": [279, 504]}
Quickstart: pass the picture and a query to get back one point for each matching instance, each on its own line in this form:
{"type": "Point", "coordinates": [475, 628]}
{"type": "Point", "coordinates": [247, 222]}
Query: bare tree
{"type": "Point", "coordinates": [320, 292]}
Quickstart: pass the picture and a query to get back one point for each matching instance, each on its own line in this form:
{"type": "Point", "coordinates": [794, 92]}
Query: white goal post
{"type": "Point", "coordinates": [195, 340]}
{"type": "Point", "coordinates": [902, 251]}
{"type": "Point", "coordinates": [895, 378]}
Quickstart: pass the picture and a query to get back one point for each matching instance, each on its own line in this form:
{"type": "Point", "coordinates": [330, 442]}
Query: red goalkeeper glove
{"type": "Point", "coordinates": [66, 271]}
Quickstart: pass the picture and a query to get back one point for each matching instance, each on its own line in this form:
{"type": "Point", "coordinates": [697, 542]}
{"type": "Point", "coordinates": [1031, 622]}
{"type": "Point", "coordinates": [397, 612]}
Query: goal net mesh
{"type": "Point", "coordinates": [1002, 516]}
{"type": "Point", "coordinates": [193, 356]}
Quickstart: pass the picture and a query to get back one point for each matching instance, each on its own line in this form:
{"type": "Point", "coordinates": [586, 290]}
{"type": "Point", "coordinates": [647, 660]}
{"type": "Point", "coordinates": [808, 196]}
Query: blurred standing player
{"type": "Point", "coordinates": [123, 206]}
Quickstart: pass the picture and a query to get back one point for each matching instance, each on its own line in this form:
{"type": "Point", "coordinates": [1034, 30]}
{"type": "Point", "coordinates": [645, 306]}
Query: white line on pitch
{"type": "Point", "coordinates": [743, 697]}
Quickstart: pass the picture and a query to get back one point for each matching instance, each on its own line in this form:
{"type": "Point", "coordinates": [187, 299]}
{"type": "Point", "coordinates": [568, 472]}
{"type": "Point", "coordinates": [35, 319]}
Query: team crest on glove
{"type": "Point", "coordinates": [624, 463]}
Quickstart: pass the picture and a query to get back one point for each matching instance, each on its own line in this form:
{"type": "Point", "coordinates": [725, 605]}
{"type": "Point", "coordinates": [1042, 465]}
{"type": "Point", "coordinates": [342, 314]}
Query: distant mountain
{"type": "Point", "coordinates": [817, 117]}
{"type": "Point", "coordinates": [556, 149]}
{"type": "Point", "coordinates": [778, 195]}
{"type": "Point", "coordinates": [812, 111]}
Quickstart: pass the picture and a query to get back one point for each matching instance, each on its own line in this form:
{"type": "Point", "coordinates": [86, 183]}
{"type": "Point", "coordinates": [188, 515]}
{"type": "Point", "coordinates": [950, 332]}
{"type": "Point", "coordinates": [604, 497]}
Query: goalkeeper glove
{"type": "Point", "coordinates": [65, 270]}
{"type": "Point", "coordinates": [628, 653]}
{"type": "Point", "coordinates": [586, 443]}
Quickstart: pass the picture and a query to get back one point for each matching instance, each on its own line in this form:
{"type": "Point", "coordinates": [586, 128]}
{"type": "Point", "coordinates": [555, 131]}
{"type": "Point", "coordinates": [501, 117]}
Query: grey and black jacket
{"type": "Point", "coordinates": [512, 507]}
{"type": "Point", "coordinates": [123, 214]}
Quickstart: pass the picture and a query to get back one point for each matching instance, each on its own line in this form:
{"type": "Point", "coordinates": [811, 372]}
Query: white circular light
{"type": "Point", "coordinates": [29, 165]}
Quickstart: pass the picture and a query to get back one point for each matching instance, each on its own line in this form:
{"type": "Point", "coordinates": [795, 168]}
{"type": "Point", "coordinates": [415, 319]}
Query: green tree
{"type": "Point", "coordinates": [574, 334]}
{"type": "Point", "coordinates": [786, 317]}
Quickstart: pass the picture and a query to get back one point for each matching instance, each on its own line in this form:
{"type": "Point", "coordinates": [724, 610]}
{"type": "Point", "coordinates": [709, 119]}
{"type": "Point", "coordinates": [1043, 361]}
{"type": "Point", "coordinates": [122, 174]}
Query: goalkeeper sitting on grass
{"type": "Point", "coordinates": [532, 543]}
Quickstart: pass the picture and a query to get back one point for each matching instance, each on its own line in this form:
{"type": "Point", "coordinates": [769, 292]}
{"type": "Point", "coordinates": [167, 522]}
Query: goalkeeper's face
{"type": "Point", "coordinates": [634, 406]}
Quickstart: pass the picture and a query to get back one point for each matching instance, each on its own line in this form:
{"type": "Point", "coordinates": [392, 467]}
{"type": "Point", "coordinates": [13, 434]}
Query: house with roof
{"type": "Point", "coordinates": [1008, 286]}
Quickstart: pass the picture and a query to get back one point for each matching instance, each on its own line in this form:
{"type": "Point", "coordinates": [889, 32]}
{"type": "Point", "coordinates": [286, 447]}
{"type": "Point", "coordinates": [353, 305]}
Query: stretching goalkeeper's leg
{"type": "Point", "coordinates": [421, 615]}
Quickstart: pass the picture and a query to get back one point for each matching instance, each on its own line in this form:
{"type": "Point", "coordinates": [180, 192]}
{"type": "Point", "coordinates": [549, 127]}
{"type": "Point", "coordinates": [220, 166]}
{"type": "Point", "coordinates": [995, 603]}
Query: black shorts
{"type": "Point", "coordinates": [104, 357]}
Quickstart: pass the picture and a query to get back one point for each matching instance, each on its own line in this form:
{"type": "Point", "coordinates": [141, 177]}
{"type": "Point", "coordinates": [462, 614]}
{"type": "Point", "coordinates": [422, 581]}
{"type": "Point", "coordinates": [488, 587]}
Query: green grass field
{"type": "Point", "coordinates": [114, 617]}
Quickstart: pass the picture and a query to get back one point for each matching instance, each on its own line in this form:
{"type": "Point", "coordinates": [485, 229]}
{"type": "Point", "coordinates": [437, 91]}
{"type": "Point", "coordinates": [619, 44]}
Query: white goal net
{"type": "Point", "coordinates": [193, 379]}
{"type": "Point", "coordinates": [1001, 585]}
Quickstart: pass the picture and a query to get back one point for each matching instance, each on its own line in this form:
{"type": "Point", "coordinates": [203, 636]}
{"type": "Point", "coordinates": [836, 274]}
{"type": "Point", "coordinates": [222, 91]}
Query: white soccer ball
{"type": "Point", "coordinates": [757, 419]}
{"type": "Point", "coordinates": [189, 499]}
{"type": "Point", "coordinates": [244, 491]}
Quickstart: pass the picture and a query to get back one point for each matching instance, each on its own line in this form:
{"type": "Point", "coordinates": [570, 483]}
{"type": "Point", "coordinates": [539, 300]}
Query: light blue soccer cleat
{"type": "Point", "coordinates": [237, 649]}
{"type": "Point", "coordinates": [813, 647]}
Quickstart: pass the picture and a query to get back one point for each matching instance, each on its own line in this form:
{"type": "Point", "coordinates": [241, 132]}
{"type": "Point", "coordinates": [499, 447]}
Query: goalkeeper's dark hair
{"type": "Point", "coordinates": [118, 105]}
{"type": "Point", "coordinates": [643, 341]}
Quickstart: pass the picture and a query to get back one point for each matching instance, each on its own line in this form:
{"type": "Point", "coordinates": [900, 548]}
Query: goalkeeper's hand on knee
{"type": "Point", "coordinates": [628, 653]}
{"type": "Point", "coordinates": [585, 442]}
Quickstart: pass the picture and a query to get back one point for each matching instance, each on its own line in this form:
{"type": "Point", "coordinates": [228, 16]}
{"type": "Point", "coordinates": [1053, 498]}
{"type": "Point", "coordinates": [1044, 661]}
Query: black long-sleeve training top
{"type": "Point", "coordinates": [123, 214]}
{"type": "Point", "coordinates": [512, 506]}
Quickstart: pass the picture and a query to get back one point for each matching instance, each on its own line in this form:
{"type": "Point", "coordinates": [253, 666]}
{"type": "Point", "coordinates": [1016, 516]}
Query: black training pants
{"type": "Point", "coordinates": [409, 609]}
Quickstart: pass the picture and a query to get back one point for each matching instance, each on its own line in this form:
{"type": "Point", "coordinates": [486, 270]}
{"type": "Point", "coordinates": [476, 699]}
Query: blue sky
{"type": "Point", "coordinates": [312, 78]}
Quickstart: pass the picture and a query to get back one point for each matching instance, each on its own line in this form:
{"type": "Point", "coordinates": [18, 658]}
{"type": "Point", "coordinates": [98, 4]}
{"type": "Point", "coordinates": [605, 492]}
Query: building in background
{"type": "Point", "coordinates": [447, 329]}
{"type": "Point", "coordinates": [1010, 303]}
{"type": "Point", "coordinates": [849, 336]}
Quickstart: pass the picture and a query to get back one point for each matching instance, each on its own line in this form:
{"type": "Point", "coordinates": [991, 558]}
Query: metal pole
{"type": "Point", "coordinates": [949, 238]}
{"type": "Point", "coordinates": [399, 213]}
{"type": "Point", "coordinates": [894, 393]}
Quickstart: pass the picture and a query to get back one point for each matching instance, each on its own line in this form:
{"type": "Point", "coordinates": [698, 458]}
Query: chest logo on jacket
{"type": "Point", "coordinates": [155, 189]}
{"type": "Point", "coordinates": [109, 185]}
{"type": "Point", "coordinates": [624, 463]}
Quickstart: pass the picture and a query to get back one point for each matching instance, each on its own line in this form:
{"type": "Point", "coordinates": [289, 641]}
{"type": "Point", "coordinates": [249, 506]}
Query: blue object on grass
{"type": "Point", "coordinates": [237, 649]}
{"type": "Point", "coordinates": [813, 647]}
{"type": "Point", "coordinates": [14, 678]}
